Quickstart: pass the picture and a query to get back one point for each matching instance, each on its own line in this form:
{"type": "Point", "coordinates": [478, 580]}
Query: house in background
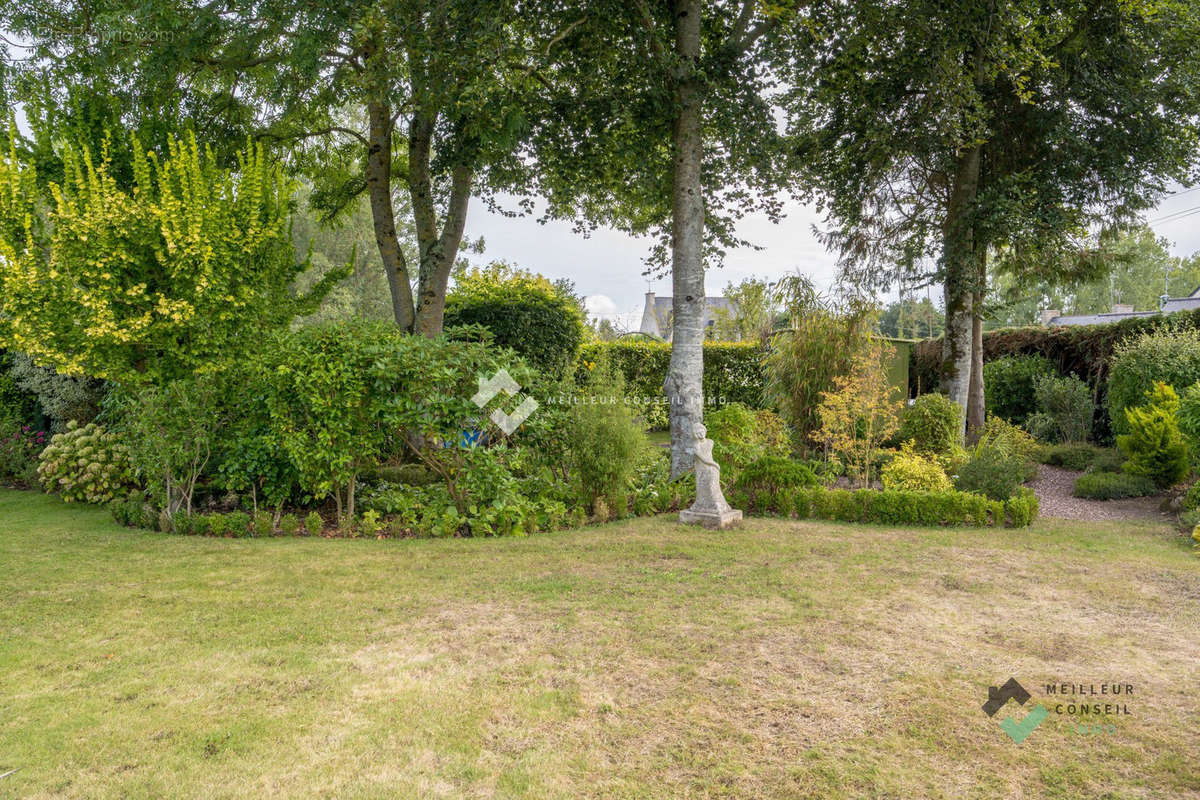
{"type": "Point", "coordinates": [656, 316]}
{"type": "Point", "coordinates": [1168, 305]}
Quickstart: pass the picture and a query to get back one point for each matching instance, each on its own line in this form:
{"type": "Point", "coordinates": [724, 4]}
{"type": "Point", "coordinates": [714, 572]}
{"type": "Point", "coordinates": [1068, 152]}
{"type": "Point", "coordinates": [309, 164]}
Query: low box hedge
{"type": "Point", "coordinates": [898, 507]}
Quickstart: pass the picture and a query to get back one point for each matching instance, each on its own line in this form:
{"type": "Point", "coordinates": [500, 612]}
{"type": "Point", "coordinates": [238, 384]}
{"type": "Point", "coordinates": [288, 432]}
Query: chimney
{"type": "Point", "coordinates": [1047, 315]}
{"type": "Point", "coordinates": [649, 318]}
{"type": "Point", "coordinates": [1122, 308]}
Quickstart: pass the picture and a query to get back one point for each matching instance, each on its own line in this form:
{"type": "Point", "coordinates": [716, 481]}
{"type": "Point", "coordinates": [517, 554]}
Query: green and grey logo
{"type": "Point", "coordinates": [998, 697]}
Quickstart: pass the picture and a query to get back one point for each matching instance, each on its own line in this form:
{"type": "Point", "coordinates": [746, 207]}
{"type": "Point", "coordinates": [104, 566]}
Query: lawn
{"type": "Point", "coordinates": [633, 660]}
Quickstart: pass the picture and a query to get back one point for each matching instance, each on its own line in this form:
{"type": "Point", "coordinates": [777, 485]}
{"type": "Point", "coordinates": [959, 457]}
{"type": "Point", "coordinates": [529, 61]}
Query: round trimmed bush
{"type": "Point", "coordinates": [991, 472]}
{"type": "Point", "coordinates": [933, 423]}
{"type": "Point", "coordinates": [524, 312]}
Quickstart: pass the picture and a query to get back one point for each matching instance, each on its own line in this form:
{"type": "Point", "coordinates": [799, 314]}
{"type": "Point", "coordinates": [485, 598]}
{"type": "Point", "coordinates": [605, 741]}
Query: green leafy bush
{"type": "Point", "coordinates": [86, 463]}
{"type": "Point", "coordinates": [741, 435]}
{"type": "Point", "coordinates": [20, 447]}
{"type": "Point", "coordinates": [289, 524]}
{"type": "Point", "coordinates": [651, 488]}
{"type": "Point", "coordinates": [1107, 459]}
{"type": "Point", "coordinates": [603, 441]}
{"type": "Point", "coordinates": [152, 279]}
{"type": "Point", "coordinates": [1076, 457]}
{"type": "Point", "coordinates": [16, 404]}
{"type": "Point", "coordinates": [314, 525]}
{"type": "Point", "coordinates": [1188, 415]}
{"type": "Point", "coordinates": [769, 481]}
{"type": "Point", "coordinates": [933, 423]}
{"type": "Point", "coordinates": [1009, 384]}
{"type": "Point", "coordinates": [171, 431]}
{"type": "Point", "coordinates": [262, 524]}
{"type": "Point", "coordinates": [1154, 447]}
{"type": "Point", "coordinates": [524, 312]}
{"type": "Point", "coordinates": [237, 524]}
{"type": "Point", "coordinates": [338, 394]}
{"type": "Point", "coordinates": [910, 470]}
{"type": "Point", "coordinates": [1022, 508]}
{"type": "Point", "coordinates": [1163, 355]}
{"type": "Point", "coordinates": [1113, 486]}
{"type": "Point", "coordinates": [218, 525]}
{"type": "Point", "coordinates": [991, 472]}
{"type": "Point", "coordinates": [61, 398]}
{"type": "Point", "coordinates": [132, 511]}
{"type": "Point", "coordinates": [1064, 410]}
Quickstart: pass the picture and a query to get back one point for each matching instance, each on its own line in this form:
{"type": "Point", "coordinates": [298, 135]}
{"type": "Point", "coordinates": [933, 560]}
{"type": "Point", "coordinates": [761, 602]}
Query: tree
{"type": "Point", "coordinates": [861, 410]}
{"type": "Point", "coordinates": [431, 98]}
{"type": "Point", "coordinates": [942, 134]}
{"type": "Point", "coordinates": [186, 269]}
{"type": "Point", "coordinates": [911, 319]}
{"type": "Point", "coordinates": [662, 123]}
{"type": "Point", "coordinates": [1139, 271]}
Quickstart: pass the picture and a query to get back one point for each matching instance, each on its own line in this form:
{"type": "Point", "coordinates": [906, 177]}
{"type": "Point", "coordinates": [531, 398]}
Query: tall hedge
{"type": "Point", "coordinates": [733, 372]}
{"type": "Point", "coordinates": [1085, 350]}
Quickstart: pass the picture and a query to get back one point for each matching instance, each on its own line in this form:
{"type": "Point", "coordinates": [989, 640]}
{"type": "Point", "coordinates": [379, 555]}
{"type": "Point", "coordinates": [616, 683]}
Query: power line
{"type": "Point", "coordinates": [1174, 215]}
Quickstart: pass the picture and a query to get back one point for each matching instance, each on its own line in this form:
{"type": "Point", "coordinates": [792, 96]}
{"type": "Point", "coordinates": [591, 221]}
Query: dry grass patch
{"type": "Point", "coordinates": [632, 660]}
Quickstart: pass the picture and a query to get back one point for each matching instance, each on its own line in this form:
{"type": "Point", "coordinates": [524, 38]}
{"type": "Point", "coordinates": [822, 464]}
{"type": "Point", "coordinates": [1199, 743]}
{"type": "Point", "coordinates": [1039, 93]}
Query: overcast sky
{"type": "Point", "coordinates": [607, 267]}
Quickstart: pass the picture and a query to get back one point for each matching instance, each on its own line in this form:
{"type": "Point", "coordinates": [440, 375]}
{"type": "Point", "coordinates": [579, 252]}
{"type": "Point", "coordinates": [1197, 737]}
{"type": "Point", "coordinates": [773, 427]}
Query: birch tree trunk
{"type": "Point", "coordinates": [685, 375]}
{"type": "Point", "coordinates": [960, 269]}
{"type": "Point", "coordinates": [976, 404]}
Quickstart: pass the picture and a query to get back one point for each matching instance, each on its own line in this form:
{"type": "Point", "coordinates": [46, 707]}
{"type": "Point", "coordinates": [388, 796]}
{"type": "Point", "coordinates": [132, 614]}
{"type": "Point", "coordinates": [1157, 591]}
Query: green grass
{"type": "Point", "coordinates": [632, 660]}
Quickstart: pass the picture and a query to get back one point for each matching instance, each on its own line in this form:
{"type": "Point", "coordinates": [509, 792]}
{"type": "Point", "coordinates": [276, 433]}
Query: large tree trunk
{"type": "Point", "coordinates": [379, 187]}
{"type": "Point", "coordinates": [976, 404]}
{"type": "Point", "coordinates": [438, 249]}
{"type": "Point", "coordinates": [960, 276]}
{"type": "Point", "coordinates": [975, 401]}
{"type": "Point", "coordinates": [685, 375]}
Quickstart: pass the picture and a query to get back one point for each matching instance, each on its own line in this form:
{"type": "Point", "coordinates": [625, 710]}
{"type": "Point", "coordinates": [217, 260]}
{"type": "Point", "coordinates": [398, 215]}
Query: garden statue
{"type": "Point", "coordinates": [710, 508]}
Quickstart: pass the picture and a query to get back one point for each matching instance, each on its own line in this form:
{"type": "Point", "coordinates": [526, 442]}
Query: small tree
{"type": "Point", "coordinates": [861, 410]}
{"type": "Point", "coordinates": [805, 359]}
{"type": "Point", "coordinates": [170, 432]}
{"type": "Point", "coordinates": [145, 285]}
{"type": "Point", "coordinates": [1154, 445]}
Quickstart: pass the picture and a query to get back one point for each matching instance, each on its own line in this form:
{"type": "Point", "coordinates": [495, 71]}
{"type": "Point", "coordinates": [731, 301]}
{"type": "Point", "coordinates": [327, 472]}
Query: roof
{"type": "Point", "coordinates": [1100, 319]}
{"type": "Point", "coordinates": [1181, 303]}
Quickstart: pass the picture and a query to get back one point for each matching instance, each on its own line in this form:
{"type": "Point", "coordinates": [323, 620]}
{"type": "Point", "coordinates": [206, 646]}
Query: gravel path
{"type": "Point", "coordinates": [1054, 486]}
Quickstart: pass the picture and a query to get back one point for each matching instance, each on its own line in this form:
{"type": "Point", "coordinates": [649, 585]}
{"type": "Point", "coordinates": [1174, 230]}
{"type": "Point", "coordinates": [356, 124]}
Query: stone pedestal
{"type": "Point", "coordinates": [710, 509]}
{"type": "Point", "coordinates": [715, 520]}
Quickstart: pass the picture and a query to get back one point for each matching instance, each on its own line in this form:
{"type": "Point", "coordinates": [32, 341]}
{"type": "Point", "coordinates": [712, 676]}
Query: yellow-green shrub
{"type": "Point", "coordinates": [910, 470]}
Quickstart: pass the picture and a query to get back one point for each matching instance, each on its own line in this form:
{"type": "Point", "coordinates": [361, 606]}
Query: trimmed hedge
{"type": "Point", "coordinates": [895, 507]}
{"type": "Point", "coordinates": [1084, 350]}
{"type": "Point", "coordinates": [733, 373]}
{"type": "Point", "coordinates": [1113, 486]}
